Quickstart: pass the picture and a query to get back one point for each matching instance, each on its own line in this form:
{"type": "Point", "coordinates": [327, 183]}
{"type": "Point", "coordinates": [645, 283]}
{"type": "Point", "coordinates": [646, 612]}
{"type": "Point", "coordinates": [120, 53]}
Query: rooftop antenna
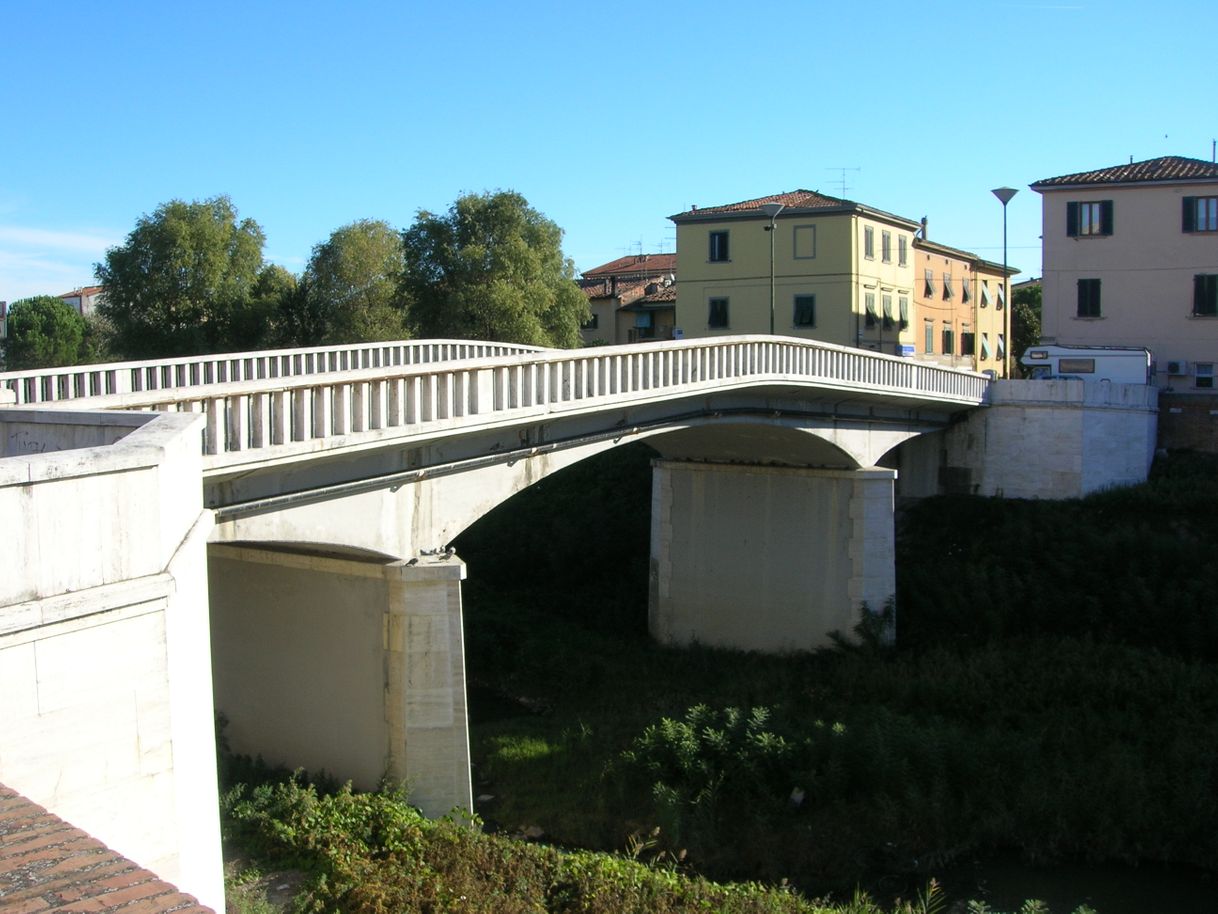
{"type": "Point", "coordinates": [843, 170]}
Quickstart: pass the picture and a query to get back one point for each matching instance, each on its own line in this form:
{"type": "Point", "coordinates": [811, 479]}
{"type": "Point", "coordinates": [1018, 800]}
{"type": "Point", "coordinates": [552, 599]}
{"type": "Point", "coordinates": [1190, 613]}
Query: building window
{"type": "Point", "coordinates": [1201, 214]}
{"type": "Point", "coordinates": [1203, 374]}
{"type": "Point", "coordinates": [1205, 295]}
{"type": "Point", "coordinates": [1088, 298]}
{"type": "Point", "coordinates": [886, 247]}
{"type": "Point", "coordinates": [949, 340]}
{"type": "Point", "coordinates": [869, 308]}
{"type": "Point", "coordinates": [902, 250]}
{"type": "Point", "coordinates": [985, 293]}
{"type": "Point", "coordinates": [947, 286]}
{"type": "Point", "coordinates": [929, 291]}
{"type": "Point", "coordinates": [717, 313]}
{"type": "Point", "coordinates": [903, 310]}
{"type": "Point", "coordinates": [985, 345]}
{"type": "Point", "coordinates": [1002, 346]}
{"type": "Point", "coordinates": [968, 343]}
{"type": "Point", "coordinates": [886, 304]}
{"type": "Point", "coordinates": [869, 242]}
{"type": "Point", "coordinates": [718, 247]}
{"type": "Point", "coordinates": [805, 242]}
{"type": "Point", "coordinates": [591, 323]}
{"type": "Point", "coordinates": [965, 297]}
{"type": "Point", "coordinates": [1094, 218]}
{"type": "Point", "coordinates": [805, 310]}
{"type": "Point", "coordinates": [928, 336]}
{"type": "Point", "coordinates": [1002, 296]}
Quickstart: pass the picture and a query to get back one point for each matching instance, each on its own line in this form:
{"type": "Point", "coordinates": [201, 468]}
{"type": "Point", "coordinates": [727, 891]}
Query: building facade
{"type": "Point", "coordinates": [629, 300]}
{"type": "Point", "coordinates": [963, 317]}
{"type": "Point", "coordinates": [842, 273]}
{"type": "Point", "coordinates": [1131, 259]}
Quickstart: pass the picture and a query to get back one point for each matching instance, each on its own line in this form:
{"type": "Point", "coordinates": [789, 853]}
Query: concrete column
{"type": "Point", "coordinates": [353, 667]}
{"type": "Point", "coordinates": [425, 709]}
{"type": "Point", "coordinates": [767, 558]}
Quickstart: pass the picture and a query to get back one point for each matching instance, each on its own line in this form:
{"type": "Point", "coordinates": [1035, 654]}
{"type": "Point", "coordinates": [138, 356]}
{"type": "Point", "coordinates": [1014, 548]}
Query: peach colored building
{"type": "Point", "coordinates": [1131, 259]}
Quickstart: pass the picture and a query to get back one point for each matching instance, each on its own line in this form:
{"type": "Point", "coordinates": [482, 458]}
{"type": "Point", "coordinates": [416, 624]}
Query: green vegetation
{"type": "Point", "coordinates": [375, 853]}
{"type": "Point", "coordinates": [492, 268]}
{"type": "Point", "coordinates": [45, 331]}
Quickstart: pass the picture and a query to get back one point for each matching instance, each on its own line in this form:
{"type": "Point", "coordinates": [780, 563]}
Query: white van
{"type": "Point", "coordinates": [1090, 363]}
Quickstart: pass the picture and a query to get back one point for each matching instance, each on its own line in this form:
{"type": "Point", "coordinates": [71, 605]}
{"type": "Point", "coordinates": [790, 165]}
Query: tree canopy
{"type": "Point", "coordinates": [178, 283]}
{"type": "Point", "coordinates": [491, 269]}
{"type": "Point", "coordinates": [350, 289]}
{"type": "Point", "coordinates": [44, 332]}
{"type": "Point", "coordinates": [1025, 320]}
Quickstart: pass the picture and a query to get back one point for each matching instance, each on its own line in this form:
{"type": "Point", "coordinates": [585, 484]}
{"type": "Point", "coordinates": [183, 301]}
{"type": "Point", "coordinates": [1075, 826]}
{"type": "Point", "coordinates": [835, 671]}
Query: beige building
{"type": "Point", "coordinates": [963, 318]}
{"type": "Point", "coordinates": [1131, 259]}
{"type": "Point", "coordinates": [843, 272]}
{"type": "Point", "coordinates": [629, 299]}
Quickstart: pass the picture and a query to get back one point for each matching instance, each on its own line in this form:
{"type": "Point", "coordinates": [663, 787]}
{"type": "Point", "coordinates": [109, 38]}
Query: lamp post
{"type": "Point", "coordinates": [1004, 194]}
{"type": "Point", "coordinates": [772, 210]}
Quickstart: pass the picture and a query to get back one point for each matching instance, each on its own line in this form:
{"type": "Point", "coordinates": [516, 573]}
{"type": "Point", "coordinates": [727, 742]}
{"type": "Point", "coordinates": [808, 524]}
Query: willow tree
{"type": "Point", "coordinates": [492, 268]}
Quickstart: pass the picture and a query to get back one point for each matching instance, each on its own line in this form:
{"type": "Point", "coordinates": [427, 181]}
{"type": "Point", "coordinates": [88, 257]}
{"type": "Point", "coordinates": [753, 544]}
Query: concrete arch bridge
{"type": "Point", "coordinates": [292, 508]}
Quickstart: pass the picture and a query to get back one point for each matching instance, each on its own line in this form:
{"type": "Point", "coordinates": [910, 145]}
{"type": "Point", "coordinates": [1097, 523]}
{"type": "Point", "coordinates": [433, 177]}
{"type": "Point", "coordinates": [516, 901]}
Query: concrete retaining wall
{"type": "Point", "coordinates": [1060, 438]}
{"type": "Point", "coordinates": [106, 718]}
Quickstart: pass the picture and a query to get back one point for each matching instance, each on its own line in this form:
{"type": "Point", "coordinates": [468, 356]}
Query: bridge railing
{"type": "Point", "coordinates": [48, 385]}
{"type": "Point", "coordinates": [302, 413]}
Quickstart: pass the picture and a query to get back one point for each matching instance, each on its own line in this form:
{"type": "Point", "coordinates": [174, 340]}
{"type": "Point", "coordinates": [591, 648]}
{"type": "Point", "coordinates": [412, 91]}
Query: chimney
{"type": "Point", "coordinates": [924, 238]}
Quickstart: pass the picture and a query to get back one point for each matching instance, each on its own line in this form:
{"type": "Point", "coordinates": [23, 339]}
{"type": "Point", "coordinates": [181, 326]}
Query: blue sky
{"type": "Point", "coordinates": [609, 118]}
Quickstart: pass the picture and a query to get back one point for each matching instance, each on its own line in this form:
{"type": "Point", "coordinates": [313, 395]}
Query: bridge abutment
{"type": "Point", "coordinates": [355, 667]}
{"type": "Point", "coordinates": [767, 558]}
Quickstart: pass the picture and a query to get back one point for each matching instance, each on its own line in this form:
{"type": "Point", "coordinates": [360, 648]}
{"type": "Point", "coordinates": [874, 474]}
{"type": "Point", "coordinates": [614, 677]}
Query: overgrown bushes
{"type": "Point", "coordinates": [374, 854]}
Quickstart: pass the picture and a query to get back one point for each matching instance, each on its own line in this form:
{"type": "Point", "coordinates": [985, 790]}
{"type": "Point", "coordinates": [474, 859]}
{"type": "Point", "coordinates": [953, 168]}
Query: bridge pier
{"type": "Point", "coordinates": [351, 666]}
{"type": "Point", "coordinates": [767, 558]}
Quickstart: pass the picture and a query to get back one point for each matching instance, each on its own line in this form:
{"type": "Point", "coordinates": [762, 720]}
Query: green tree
{"type": "Point", "coordinates": [181, 280]}
{"type": "Point", "coordinates": [350, 290]}
{"type": "Point", "coordinates": [44, 332]}
{"type": "Point", "coordinates": [1025, 320]}
{"type": "Point", "coordinates": [491, 269]}
{"type": "Point", "coordinates": [266, 320]}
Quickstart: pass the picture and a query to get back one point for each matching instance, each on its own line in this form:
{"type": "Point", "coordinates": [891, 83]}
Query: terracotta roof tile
{"type": "Point", "coordinates": [664, 294]}
{"type": "Point", "coordinates": [795, 199]}
{"type": "Point", "coordinates": [634, 264]}
{"type": "Point", "coordinates": [48, 866]}
{"type": "Point", "coordinates": [1164, 168]}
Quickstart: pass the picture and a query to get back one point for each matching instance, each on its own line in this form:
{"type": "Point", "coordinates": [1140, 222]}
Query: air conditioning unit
{"type": "Point", "coordinates": [1177, 368]}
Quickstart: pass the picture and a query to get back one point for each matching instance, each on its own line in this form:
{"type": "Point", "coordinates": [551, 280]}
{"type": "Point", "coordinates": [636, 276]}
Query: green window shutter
{"type": "Point", "coordinates": [1072, 220]}
{"type": "Point", "coordinates": [1189, 216]}
{"type": "Point", "coordinates": [1105, 217]}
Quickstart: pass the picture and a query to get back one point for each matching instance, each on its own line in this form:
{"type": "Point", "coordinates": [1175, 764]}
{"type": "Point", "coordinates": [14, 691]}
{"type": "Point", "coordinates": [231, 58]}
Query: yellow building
{"type": "Point", "coordinates": [842, 272]}
{"type": "Point", "coordinates": [963, 317]}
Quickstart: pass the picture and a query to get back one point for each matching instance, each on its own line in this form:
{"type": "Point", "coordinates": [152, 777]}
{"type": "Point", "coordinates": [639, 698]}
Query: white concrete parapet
{"type": "Point", "coordinates": [105, 673]}
{"type": "Point", "coordinates": [75, 382]}
{"type": "Point", "coordinates": [282, 417]}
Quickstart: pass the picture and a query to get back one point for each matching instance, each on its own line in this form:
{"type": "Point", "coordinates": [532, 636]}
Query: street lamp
{"type": "Point", "coordinates": [772, 210]}
{"type": "Point", "coordinates": [1004, 194]}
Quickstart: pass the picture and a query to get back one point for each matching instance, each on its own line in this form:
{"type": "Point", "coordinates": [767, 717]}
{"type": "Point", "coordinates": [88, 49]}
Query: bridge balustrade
{"type": "Point", "coordinates": [301, 398]}
{"type": "Point", "coordinates": [47, 385]}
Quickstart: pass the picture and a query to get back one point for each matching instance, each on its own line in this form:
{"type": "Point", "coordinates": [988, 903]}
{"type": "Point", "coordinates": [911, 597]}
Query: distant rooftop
{"type": "Point", "coordinates": [1164, 168]}
{"type": "Point", "coordinates": [793, 202]}
{"type": "Point", "coordinates": [635, 264]}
